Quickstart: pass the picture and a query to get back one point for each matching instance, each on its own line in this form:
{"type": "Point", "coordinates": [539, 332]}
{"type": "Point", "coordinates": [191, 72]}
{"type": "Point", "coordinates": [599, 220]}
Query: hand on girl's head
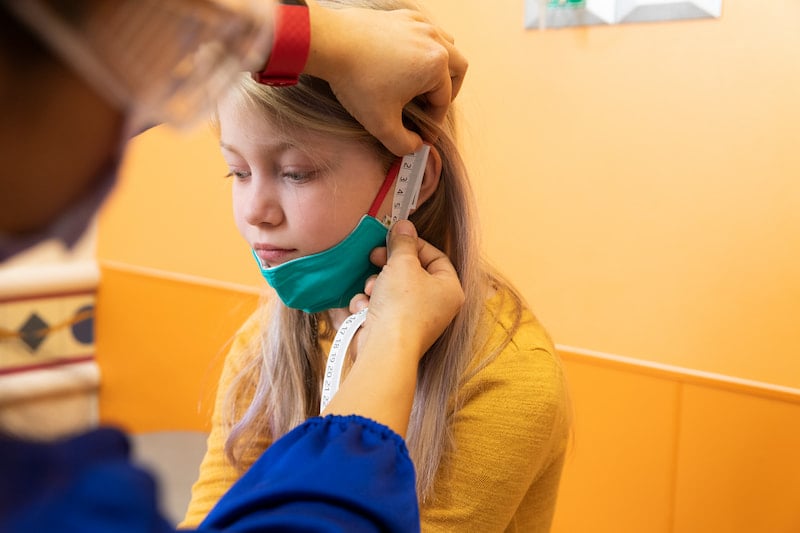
{"type": "Point", "coordinates": [402, 55]}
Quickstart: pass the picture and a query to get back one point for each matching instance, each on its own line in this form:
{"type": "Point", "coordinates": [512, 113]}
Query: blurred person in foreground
{"type": "Point", "coordinates": [78, 80]}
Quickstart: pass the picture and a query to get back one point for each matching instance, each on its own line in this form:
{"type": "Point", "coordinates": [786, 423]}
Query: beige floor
{"type": "Point", "coordinates": [173, 457]}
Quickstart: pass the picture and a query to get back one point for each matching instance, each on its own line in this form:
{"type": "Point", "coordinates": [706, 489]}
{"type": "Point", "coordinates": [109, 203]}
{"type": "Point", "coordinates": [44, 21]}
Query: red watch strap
{"type": "Point", "coordinates": [290, 46]}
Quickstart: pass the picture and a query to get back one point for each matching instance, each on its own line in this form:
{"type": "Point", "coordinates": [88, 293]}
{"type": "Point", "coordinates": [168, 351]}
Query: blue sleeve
{"type": "Point", "coordinates": [85, 484]}
{"type": "Point", "coordinates": [330, 474]}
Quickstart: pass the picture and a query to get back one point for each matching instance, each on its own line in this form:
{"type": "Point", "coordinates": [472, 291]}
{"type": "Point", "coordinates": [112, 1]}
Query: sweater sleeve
{"type": "Point", "coordinates": [510, 439]}
{"type": "Point", "coordinates": [329, 474]}
{"type": "Point", "coordinates": [216, 473]}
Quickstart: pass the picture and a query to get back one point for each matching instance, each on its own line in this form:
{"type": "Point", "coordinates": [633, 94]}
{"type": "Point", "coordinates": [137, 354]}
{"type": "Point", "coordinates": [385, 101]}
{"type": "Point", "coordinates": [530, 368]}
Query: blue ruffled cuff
{"type": "Point", "coordinates": [332, 473]}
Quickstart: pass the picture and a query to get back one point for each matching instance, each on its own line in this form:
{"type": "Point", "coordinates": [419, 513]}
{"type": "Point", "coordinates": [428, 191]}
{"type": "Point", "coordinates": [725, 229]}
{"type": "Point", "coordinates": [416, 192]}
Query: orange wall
{"type": "Point", "coordinates": [642, 182]}
{"type": "Point", "coordinates": [161, 341]}
{"type": "Point", "coordinates": [668, 452]}
{"type": "Point", "coordinates": [639, 182]}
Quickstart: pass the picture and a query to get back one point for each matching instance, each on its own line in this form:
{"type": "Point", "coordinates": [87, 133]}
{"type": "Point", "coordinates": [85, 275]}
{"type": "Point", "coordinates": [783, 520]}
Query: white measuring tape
{"type": "Point", "coordinates": [406, 191]}
{"type": "Point", "coordinates": [337, 355]}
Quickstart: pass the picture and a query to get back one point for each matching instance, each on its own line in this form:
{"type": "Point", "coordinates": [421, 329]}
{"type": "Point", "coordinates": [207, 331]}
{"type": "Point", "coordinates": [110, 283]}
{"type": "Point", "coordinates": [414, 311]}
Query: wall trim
{"type": "Point", "coordinates": [178, 277]}
{"type": "Point", "coordinates": [568, 353]}
{"type": "Point", "coordinates": [681, 374]}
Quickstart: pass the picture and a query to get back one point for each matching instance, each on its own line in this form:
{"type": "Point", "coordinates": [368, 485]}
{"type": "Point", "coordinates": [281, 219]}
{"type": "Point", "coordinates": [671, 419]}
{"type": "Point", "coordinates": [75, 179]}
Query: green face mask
{"type": "Point", "coordinates": [329, 279]}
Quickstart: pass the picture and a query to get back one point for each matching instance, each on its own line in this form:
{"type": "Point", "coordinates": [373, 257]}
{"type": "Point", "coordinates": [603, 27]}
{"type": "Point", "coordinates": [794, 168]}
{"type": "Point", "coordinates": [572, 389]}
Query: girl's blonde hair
{"type": "Point", "coordinates": [283, 368]}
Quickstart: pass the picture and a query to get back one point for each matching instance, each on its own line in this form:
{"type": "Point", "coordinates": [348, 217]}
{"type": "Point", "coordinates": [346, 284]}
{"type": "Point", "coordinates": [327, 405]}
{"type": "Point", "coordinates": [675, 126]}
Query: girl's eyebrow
{"type": "Point", "coordinates": [227, 147]}
{"type": "Point", "coordinates": [272, 148]}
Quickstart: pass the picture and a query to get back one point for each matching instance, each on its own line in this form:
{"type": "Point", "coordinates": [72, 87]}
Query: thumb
{"type": "Point", "coordinates": [402, 238]}
{"type": "Point", "coordinates": [401, 141]}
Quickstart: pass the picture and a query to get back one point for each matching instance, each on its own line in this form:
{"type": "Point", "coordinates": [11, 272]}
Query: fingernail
{"type": "Point", "coordinates": [405, 227]}
{"type": "Point", "coordinates": [359, 305]}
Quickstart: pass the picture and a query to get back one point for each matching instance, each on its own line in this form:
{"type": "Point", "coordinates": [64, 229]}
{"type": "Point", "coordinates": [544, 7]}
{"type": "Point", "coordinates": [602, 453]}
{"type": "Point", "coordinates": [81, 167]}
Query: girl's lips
{"type": "Point", "coordinates": [273, 256]}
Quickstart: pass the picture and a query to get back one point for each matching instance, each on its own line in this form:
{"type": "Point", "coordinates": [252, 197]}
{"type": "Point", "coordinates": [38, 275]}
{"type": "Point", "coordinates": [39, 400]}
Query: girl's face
{"type": "Point", "coordinates": [295, 197]}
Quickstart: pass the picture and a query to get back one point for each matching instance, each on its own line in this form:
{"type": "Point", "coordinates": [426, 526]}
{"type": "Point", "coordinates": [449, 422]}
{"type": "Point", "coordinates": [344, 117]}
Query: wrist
{"type": "Point", "coordinates": [290, 44]}
{"type": "Point", "coordinates": [391, 348]}
{"type": "Point", "coordinates": [327, 47]}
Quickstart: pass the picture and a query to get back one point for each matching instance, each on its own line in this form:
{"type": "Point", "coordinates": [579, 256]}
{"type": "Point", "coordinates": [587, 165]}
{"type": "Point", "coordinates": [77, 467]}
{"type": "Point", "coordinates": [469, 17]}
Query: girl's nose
{"type": "Point", "coordinates": [263, 204]}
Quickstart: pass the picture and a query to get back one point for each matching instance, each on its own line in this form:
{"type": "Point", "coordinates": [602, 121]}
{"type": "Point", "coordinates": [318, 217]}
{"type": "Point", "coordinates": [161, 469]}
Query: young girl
{"type": "Point", "coordinates": [490, 421]}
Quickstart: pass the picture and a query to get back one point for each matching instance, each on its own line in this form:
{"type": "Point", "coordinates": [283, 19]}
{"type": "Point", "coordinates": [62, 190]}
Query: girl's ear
{"type": "Point", "coordinates": [430, 180]}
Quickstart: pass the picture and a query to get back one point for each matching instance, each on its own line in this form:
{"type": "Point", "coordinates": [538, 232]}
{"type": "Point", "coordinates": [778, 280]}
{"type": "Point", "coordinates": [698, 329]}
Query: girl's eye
{"type": "Point", "coordinates": [297, 177]}
{"type": "Point", "coordinates": [238, 174]}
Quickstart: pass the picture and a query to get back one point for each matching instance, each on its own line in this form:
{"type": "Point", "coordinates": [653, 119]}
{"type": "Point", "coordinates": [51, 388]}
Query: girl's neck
{"type": "Point", "coordinates": [337, 316]}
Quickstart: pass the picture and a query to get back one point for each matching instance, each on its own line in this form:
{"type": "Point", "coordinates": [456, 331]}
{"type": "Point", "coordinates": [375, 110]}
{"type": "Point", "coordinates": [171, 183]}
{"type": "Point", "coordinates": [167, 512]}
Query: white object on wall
{"type": "Point", "coordinates": [604, 12]}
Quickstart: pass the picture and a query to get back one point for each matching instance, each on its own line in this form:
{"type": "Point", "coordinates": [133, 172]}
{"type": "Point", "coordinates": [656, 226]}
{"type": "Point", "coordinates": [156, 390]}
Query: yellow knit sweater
{"type": "Point", "coordinates": [510, 439]}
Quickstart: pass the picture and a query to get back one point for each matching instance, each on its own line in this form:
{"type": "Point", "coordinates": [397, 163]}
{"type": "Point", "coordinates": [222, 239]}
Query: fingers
{"type": "Point", "coordinates": [378, 256]}
{"type": "Point", "coordinates": [370, 284]}
{"type": "Point", "coordinates": [439, 95]}
{"type": "Point", "coordinates": [358, 302]}
{"type": "Point", "coordinates": [403, 239]}
{"type": "Point", "coordinates": [449, 81]}
{"type": "Point", "coordinates": [376, 62]}
{"type": "Point", "coordinates": [446, 36]}
{"type": "Point", "coordinates": [417, 286]}
{"type": "Point", "coordinates": [434, 261]}
{"type": "Point", "coordinates": [398, 139]}
{"type": "Point", "coordinates": [458, 69]}
{"type": "Point", "coordinates": [384, 120]}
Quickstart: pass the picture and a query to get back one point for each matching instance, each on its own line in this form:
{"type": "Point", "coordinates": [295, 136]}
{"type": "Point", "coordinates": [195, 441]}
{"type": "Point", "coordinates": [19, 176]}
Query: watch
{"type": "Point", "coordinates": [290, 45]}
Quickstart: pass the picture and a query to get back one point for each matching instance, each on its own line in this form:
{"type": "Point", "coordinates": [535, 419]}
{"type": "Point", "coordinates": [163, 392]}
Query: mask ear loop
{"type": "Point", "coordinates": [388, 181]}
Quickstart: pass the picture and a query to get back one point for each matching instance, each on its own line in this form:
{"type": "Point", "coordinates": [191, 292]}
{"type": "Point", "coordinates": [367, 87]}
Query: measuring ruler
{"type": "Point", "coordinates": [409, 180]}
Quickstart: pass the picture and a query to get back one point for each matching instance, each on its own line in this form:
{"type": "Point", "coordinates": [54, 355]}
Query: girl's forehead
{"type": "Point", "coordinates": [321, 147]}
{"type": "Point", "coordinates": [245, 121]}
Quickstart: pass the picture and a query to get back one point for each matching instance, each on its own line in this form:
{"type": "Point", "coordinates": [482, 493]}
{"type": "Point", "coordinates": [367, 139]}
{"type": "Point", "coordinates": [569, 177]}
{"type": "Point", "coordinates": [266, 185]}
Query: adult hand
{"type": "Point", "coordinates": [411, 302]}
{"type": "Point", "coordinates": [416, 295]}
{"type": "Point", "coordinates": [378, 61]}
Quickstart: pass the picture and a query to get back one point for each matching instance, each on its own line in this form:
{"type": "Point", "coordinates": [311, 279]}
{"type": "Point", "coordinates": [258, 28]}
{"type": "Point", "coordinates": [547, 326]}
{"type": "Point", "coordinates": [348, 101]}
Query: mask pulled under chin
{"type": "Point", "coordinates": [328, 279]}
